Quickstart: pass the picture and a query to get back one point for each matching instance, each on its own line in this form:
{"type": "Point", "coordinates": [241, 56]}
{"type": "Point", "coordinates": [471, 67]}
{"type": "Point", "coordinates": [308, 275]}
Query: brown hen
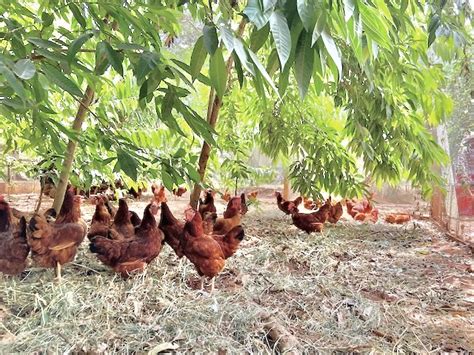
{"type": "Point", "coordinates": [14, 247]}
{"type": "Point", "coordinates": [101, 220]}
{"type": "Point", "coordinates": [202, 250]}
{"type": "Point", "coordinates": [55, 244]}
{"type": "Point", "coordinates": [180, 191]}
{"type": "Point", "coordinates": [224, 225]}
{"type": "Point", "coordinates": [287, 206]}
{"type": "Point", "coordinates": [397, 218]}
{"type": "Point", "coordinates": [335, 212]}
{"type": "Point", "coordinates": [172, 229]}
{"type": "Point", "coordinates": [234, 206]}
{"type": "Point", "coordinates": [207, 205]}
{"type": "Point", "coordinates": [127, 256]}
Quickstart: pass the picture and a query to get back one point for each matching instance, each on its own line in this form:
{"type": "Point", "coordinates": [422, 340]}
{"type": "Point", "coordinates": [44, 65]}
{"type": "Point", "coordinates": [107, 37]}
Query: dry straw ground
{"type": "Point", "coordinates": [359, 288]}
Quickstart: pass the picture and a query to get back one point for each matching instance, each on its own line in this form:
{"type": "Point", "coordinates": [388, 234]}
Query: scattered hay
{"type": "Point", "coordinates": [354, 288]}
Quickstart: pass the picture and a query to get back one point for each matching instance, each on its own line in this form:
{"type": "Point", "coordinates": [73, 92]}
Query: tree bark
{"type": "Point", "coordinates": [214, 106]}
{"type": "Point", "coordinates": [71, 148]}
{"type": "Point", "coordinates": [40, 199]}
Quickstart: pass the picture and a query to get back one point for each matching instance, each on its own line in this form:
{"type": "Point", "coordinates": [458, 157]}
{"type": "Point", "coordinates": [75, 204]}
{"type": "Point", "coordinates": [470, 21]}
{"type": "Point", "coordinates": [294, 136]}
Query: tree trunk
{"type": "Point", "coordinates": [214, 106]}
{"type": "Point", "coordinates": [71, 148]}
{"type": "Point", "coordinates": [40, 199]}
{"type": "Point", "coordinates": [438, 199]}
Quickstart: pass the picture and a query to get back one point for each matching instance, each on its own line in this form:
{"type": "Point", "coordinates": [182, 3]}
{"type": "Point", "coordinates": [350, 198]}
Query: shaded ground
{"type": "Point", "coordinates": [353, 288]}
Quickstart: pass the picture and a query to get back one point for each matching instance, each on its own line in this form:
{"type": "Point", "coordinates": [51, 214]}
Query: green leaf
{"type": "Point", "coordinates": [383, 8]}
{"type": "Point", "coordinates": [308, 10]}
{"type": "Point", "coordinates": [58, 78]}
{"type": "Point", "coordinates": [39, 91]}
{"type": "Point", "coordinates": [54, 56]}
{"type": "Point", "coordinates": [115, 58]}
{"type": "Point", "coordinates": [77, 15]}
{"type": "Point", "coordinates": [18, 47]}
{"type": "Point", "coordinates": [13, 81]}
{"type": "Point", "coordinates": [318, 73]}
{"type": "Point", "coordinates": [304, 63]}
{"type": "Point", "coordinates": [150, 85]}
{"type": "Point", "coordinates": [258, 85]}
{"type": "Point", "coordinates": [263, 71]}
{"type": "Point", "coordinates": [273, 64]}
{"type": "Point", "coordinates": [101, 58]}
{"type": "Point", "coordinates": [198, 57]}
{"type": "Point", "coordinates": [167, 179]}
{"type": "Point", "coordinates": [164, 111]}
{"type": "Point", "coordinates": [24, 69]}
{"type": "Point", "coordinates": [42, 43]}
{"type": "Point", "coordinates": [227, 37]}
{"type": "Point", "coordinates": [255, 14]}
{"type": "Point", "coordinates": [349, 7]}
{"type": "Point", "coordinates": [77, 44]}
{"type": "Point", "coordinates": [259, 37]}
{"type": "Point", "coordinates": [319, 27]}
{"type": "Point", "coordinates": [268, 5]}
{"type": "Point", "coordinates": [210, 38]}
{"type": "Point", "coordinates": [193, 173]}
{"type": "Point", "coordinates": [374, 25]}
{"type": "Point", "coordinates": [281, 35]}
{"type": "Point", "coordinates": [147, 62]}
{"type": "Point", "coordinates": [332, 50]}
{"type": "Point", "coordinates": [238, 69]}
{"type": "Point", "coordinates": [130, 47]}
{"type": "Point", "coordinates": [181, 152]}
{"type": "Point", "coordinates": [200, 77]}
{"type": "Point", "coordinates": [196, 122]}
{"type": "Point", "coordinates": [432, 27]}
{"type": "Point", "coordinates": [242, 54]}
{"type": "Point", "coordinates": [47, 19]}
{"type": "Point", "coordinates": [218, 73]}
{"type": "Point", "coordinates": [128, 164]}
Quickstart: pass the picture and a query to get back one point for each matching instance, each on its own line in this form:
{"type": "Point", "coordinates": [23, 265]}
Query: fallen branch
{"type": "Point", "coordinates": [284, 340]}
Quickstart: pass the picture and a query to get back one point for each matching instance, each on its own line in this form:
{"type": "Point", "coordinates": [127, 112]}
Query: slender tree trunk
{"type": "Point", "coordinates": [40, 199]}
{"type": "Point", "coordinates": [215, 104]}
{"type": "Point", "coordinates": [71, 148]}
{"type": "Point", "coordinates": [437, 206]}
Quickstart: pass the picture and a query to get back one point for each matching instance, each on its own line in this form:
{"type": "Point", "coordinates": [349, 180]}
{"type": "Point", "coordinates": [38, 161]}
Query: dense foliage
{"type": "Point", "coordinates": [370, 60]}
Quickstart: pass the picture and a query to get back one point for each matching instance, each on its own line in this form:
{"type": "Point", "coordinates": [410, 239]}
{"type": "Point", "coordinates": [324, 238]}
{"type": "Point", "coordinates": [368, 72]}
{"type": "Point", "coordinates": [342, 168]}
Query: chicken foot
{"type": "Point", "coordinates": [202, 285]}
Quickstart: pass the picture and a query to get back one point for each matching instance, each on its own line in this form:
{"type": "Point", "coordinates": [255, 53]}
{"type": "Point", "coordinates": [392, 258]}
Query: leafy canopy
{"type": "Point", "coordinates": [380, 61]}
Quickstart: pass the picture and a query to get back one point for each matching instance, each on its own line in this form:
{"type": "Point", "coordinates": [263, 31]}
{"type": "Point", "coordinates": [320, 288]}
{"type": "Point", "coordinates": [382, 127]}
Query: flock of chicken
{"type": "Point", "coordinates": [127, 243]}
{"type": "Point", "coordinates": [119, 237]}
{"type": "Point", "coordinates": [362, 211]}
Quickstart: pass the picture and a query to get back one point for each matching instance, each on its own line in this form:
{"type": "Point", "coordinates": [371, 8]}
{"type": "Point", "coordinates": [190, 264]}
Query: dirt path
{"type": "Point", "coordinates": [353, 288]}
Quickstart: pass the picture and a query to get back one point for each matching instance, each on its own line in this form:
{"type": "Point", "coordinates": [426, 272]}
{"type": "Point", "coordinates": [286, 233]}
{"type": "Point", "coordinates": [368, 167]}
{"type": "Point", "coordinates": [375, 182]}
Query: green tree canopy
{"type": "Point", "coordinates": [380, 62]}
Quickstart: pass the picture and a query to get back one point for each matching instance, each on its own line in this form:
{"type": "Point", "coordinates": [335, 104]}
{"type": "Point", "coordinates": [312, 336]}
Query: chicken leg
{"type": "Point", "coordinates": [212, 285]}
{"type": "Point", "coordinates": [58, 271]}
{"type": "Point", "coordinates": [202, 282]}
